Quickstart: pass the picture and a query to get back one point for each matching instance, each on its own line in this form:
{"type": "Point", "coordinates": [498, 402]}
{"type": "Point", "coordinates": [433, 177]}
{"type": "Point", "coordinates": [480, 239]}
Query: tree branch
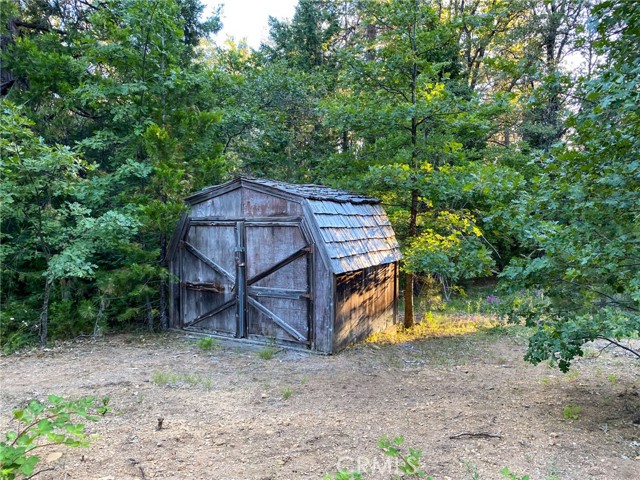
{"type": "Point", "coordinates": [618, 344]}
{"type": "Point", "coordinates": [40, 28]}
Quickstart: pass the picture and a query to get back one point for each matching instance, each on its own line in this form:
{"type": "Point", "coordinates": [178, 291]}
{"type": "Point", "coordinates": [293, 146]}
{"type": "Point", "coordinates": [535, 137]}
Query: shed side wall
{"type": "Point", "coordinates": [365, 303]}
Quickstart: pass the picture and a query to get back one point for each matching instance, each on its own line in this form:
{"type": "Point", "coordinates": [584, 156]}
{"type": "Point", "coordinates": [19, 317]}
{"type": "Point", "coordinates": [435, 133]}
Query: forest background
{"type": "Point", "coordinates": [503, 138]}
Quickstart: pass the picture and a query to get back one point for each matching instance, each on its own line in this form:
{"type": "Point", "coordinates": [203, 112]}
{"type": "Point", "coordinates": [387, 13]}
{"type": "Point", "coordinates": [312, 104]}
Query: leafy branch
{"type": "Point", "coordinates": [43, 425]}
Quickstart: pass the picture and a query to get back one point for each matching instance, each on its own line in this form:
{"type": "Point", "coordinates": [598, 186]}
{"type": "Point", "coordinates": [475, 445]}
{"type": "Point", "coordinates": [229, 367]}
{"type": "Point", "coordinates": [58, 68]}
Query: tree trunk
{"type": "Point", "coordinates": [345, 140]}
{"type": "Point", "coordinates": [97, 326]}
{"type": "Point", "coordinates": [371, 33]}
{"type": "Point", "coordinates": [408, 300]}
{"type": "Point", "coordinates": [409, 317]}
{"type": "Point", "coordinates": [43, 327]}
{"type": "Point", "coordinates": [149, 309]}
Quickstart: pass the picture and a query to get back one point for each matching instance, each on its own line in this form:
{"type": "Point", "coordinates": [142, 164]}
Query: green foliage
{"type": "Point", "coordinates": [580, 220]}
{"type": "Point", "coordinates": [268, 351]}
{"type": "Point", "coordinates": [18, 325]}
{"type": "Point", "coordinates": [408, 465]}
{"type": "Point", "coordinates": [417, 135]}
{"type": "Point", "coordinates": [304, 42]}
{"type": "Point", "coordinates": [41, 192]}
{"type": "Point", "coordinates": [343, 474]}
{"type": "Point", "coordinates": [409, 461]}
{"type": "Point", "coordinates": [116, 87]}
{"type": "Point", "coordinates": [455, 114]}
{"type": "Point", "coordinates": [45, 424]}
{"type": "Point", "coordinates": [571, 412]}
{"type": "Point", "coordinates": [208, 344]}
{"type": "Point", "coordinates": [451, 250]}
{"type": "Point", "coordinates": [286, 393]}
{"type": "Point", "coordinates": [505, 472]}
{"type": "Point", "coordinates": [50, 231]}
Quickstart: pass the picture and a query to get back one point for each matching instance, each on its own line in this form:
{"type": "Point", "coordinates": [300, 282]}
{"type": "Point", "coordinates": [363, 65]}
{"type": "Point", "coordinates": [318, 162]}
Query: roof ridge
{"type": "Point", "coordinates": [313, 191]}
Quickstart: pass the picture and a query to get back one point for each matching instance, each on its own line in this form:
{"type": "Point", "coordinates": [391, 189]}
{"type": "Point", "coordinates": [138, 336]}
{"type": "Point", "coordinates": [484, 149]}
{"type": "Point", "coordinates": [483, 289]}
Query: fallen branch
{"type": "Point", "coordinates": [476, 434]}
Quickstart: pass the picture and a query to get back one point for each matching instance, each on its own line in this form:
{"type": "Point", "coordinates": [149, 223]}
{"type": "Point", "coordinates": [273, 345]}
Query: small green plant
{"type": "Point", "coordinates": [161, 378]}
{"type": "Point", "coordinates": [612, 378]}
{"type": "Point", "coordinates": [571, 375]}
{"type": "Point", "coordinates": [343, 474]}
{"type": "Point", "coordinates": [552, 473]}
{"type": "Point", "coordinates": [45, 424]}
{"type": "Point", "coordinates": [472, 469]}
{"type": "Point", "coordinates": [409, 462]}
{"type": "Point", "coordinates": [207, 344]}
{"type": "Point", "coordinates": [286, 393]}
{"type": "Point", "coordinates": [179, 379]}
{"type": "Point", "coordinates": [505, 472]}
{"type": "Point", "coordinates": [571, 412]}
{"type": "Point", "coordinates": [269, 350]}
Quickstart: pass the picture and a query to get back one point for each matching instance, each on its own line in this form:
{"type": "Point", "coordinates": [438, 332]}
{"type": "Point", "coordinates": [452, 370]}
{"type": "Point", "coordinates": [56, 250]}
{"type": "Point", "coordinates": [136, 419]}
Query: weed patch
{"type": "Point", "coordinates": [208, 344]}
{"type": "Point", "coordinates": [180, 380]}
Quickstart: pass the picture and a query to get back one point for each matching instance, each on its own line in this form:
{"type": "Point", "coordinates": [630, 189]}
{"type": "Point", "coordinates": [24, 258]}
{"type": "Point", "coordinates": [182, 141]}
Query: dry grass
{"type": "Point", "coordinates": [435, 325]}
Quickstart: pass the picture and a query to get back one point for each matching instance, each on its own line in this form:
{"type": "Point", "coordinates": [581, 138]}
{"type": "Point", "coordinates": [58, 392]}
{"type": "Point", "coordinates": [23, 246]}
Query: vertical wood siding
{"type": "Point", "coordinates": [365, 303]}
{"type": "Point", "coordinates": [258, 204]}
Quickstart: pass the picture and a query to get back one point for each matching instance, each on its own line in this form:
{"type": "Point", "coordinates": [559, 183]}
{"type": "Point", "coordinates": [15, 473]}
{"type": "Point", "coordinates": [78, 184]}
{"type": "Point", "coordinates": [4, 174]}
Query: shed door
{"type": "Point", "coordinates": [248, 279]}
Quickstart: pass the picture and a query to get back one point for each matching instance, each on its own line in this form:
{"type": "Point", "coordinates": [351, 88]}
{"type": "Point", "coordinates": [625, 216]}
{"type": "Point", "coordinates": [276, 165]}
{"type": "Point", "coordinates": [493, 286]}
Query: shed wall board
{"type": "Point", "coordinates": [228, 204]}
{"type": "Point", "coordinates": [365, 304]}
{"type": "Point", "coordinates": [323, 307]}
{"type": "Point", "coordinates": [175, 317]}
{"type": "Point", "coordinates": [259, 204]}
{"type": "Point", "coordinates": [268, 245]}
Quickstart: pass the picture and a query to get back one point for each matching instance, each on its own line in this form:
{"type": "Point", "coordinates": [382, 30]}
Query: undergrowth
{"type": "Point", "coordinates": [406, 462]}
{"type": "Point", "coordinates": [179, 380]}
{"type": "Point", "coordinates": [41, 424]}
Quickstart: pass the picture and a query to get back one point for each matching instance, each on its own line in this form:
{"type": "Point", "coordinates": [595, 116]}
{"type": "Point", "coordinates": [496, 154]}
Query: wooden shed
{"type": "Point", "coordinates": [301, 265]}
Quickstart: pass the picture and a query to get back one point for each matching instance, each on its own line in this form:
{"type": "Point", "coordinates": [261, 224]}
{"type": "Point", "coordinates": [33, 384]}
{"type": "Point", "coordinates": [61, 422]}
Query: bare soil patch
{"type": "Point", "coordinates": [233, 415]}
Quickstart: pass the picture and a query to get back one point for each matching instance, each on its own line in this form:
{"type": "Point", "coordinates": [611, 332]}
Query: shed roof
{"type": "Point", "coordinates": [354, 229]}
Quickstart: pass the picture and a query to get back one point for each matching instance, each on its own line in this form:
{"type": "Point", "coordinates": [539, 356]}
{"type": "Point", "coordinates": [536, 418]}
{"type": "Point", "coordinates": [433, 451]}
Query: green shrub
{"type": "Point", "coordinates": [41, 425]}
{"type": "Point", "coordinates": [571, 412]}
{"type": "Point", "coordinates": [208, 344]}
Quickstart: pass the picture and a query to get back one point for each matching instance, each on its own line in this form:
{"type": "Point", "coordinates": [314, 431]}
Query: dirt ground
{"type": "Point", "coordinates": [231, 414]}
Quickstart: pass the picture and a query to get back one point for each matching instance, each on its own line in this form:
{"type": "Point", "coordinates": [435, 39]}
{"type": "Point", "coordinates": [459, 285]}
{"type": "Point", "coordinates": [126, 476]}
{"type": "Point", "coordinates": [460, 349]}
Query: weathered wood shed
{"type": "Point", "coordinates": [304, 265]}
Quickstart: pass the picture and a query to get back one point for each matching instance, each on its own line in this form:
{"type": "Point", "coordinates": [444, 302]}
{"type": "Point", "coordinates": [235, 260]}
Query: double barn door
{"type": "Point", "coordinates": [247, 278]}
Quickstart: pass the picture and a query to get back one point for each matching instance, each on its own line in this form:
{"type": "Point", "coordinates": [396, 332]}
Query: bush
{"type": "Point", "coordinates": [41, 425]}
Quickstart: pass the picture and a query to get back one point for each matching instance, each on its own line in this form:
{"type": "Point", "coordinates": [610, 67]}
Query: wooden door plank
{"type": "Point", "coordinates": [291, 258]}
{"type": "Point", "coordinates": [277, 320]}
{"type": "Point", "coordinates": [293, 294]}
{"type": "Point", "coordinates": [213, 313]}
{"type": "Point", "coordinates": [207, 261]}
